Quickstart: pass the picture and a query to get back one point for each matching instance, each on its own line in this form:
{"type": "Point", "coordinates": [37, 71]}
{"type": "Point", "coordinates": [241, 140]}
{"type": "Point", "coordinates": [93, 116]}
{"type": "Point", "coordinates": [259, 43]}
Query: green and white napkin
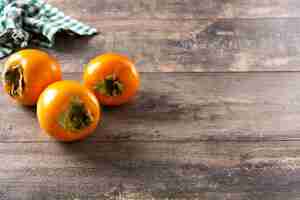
{"type": "Point", "coordinates": [23, 22]}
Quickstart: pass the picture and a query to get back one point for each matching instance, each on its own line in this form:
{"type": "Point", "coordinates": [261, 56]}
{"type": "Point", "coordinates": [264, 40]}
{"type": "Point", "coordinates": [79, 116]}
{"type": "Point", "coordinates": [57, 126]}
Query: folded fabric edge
{"type": "Point", "coordinates": [4, 51]}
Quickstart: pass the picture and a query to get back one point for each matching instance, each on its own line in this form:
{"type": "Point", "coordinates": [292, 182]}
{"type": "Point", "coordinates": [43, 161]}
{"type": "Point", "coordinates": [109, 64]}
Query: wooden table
{"type": "Point", "coordinates": [217, 117]}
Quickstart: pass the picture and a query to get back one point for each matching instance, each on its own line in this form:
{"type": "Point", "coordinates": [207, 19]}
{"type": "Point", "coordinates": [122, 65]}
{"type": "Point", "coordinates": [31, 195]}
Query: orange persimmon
{"type": "Point", "coordinates": [68, 111]}
{"type": "Point", "coordinates": [27, 73]}
{"type": "Point", "coordinates": [113, 78]}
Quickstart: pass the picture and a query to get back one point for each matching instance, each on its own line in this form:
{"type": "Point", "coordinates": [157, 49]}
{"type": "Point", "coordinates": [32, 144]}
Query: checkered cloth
{"type": "Point", "coordinates": [32, 21]}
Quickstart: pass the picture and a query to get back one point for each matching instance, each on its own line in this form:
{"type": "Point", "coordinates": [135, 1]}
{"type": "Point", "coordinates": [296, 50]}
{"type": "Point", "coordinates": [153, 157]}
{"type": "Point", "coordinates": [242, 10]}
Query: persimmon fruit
{"type": "Point", "coordinates": [68, 111]}
{"type": "Point", "coordinates": [27, 73]}
{"type": "Point", "coordinates": [113, 78]}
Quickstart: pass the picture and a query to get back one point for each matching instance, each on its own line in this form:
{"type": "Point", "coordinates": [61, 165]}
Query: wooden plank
{"type": "Point", "coordinates": [134, 170]}
{"type": "Point", "coordinates": [192, 45]}
{"type": "Point", "coordinates": [177, 9]}
{"type": "Point", "coordinates": [187, 107]}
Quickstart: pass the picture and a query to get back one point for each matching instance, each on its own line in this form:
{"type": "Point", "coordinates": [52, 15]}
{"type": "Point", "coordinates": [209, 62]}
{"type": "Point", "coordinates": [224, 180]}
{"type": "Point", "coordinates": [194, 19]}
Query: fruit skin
{"type": "Point", "coordinates": [39, 70]}
{"type": "Point", "coordinates": [55, 100]}
{"type": "Point", "coordinates": [108, 64]}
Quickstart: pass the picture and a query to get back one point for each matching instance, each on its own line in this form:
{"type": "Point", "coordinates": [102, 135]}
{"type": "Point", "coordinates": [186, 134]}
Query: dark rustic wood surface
{"type": "Point", "coordinates": [191, 35]}
{"type": "Point", "coordinates": [186, 107]}
{"type": "Point", "coordinates": [217, 117]}
{"type": "Point", "coordinates": [178, 9]}
{"type": "Point", "coordinates": [188, 35]}
{"type": "Point", "coordinates": [185, 136]}
{"type": "Point", "coordinates": [150, 170]}
{"type": "Point", "coordinates": [191, 45]}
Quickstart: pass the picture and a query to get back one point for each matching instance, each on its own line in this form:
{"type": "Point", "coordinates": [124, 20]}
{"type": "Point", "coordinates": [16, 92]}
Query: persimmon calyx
{"type": "Point", "coordinates": [76, 117]}
{"type": "Point", "coordinates": [110, 86]}
{"type": "Point", "coordinates": [14, 79]}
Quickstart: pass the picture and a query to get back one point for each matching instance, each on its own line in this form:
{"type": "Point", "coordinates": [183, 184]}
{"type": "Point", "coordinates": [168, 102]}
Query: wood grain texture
{"type": "Point", "coordinates": [177, 9]}
{"type": "Point", "coordinates": [135, 170]}
{"type": "Point", "coordinates": [208, 45]}
{"type": "Point", "coordinates": [167, 41]}
{"type": "Point", "coordinates": [186, 136]}
{"type": "Point", "coordinates": [201, 35]}
{"type": "Point", "coordinates": [187, 107]}
{"type": "Point", "coordinates": [190, 45]}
